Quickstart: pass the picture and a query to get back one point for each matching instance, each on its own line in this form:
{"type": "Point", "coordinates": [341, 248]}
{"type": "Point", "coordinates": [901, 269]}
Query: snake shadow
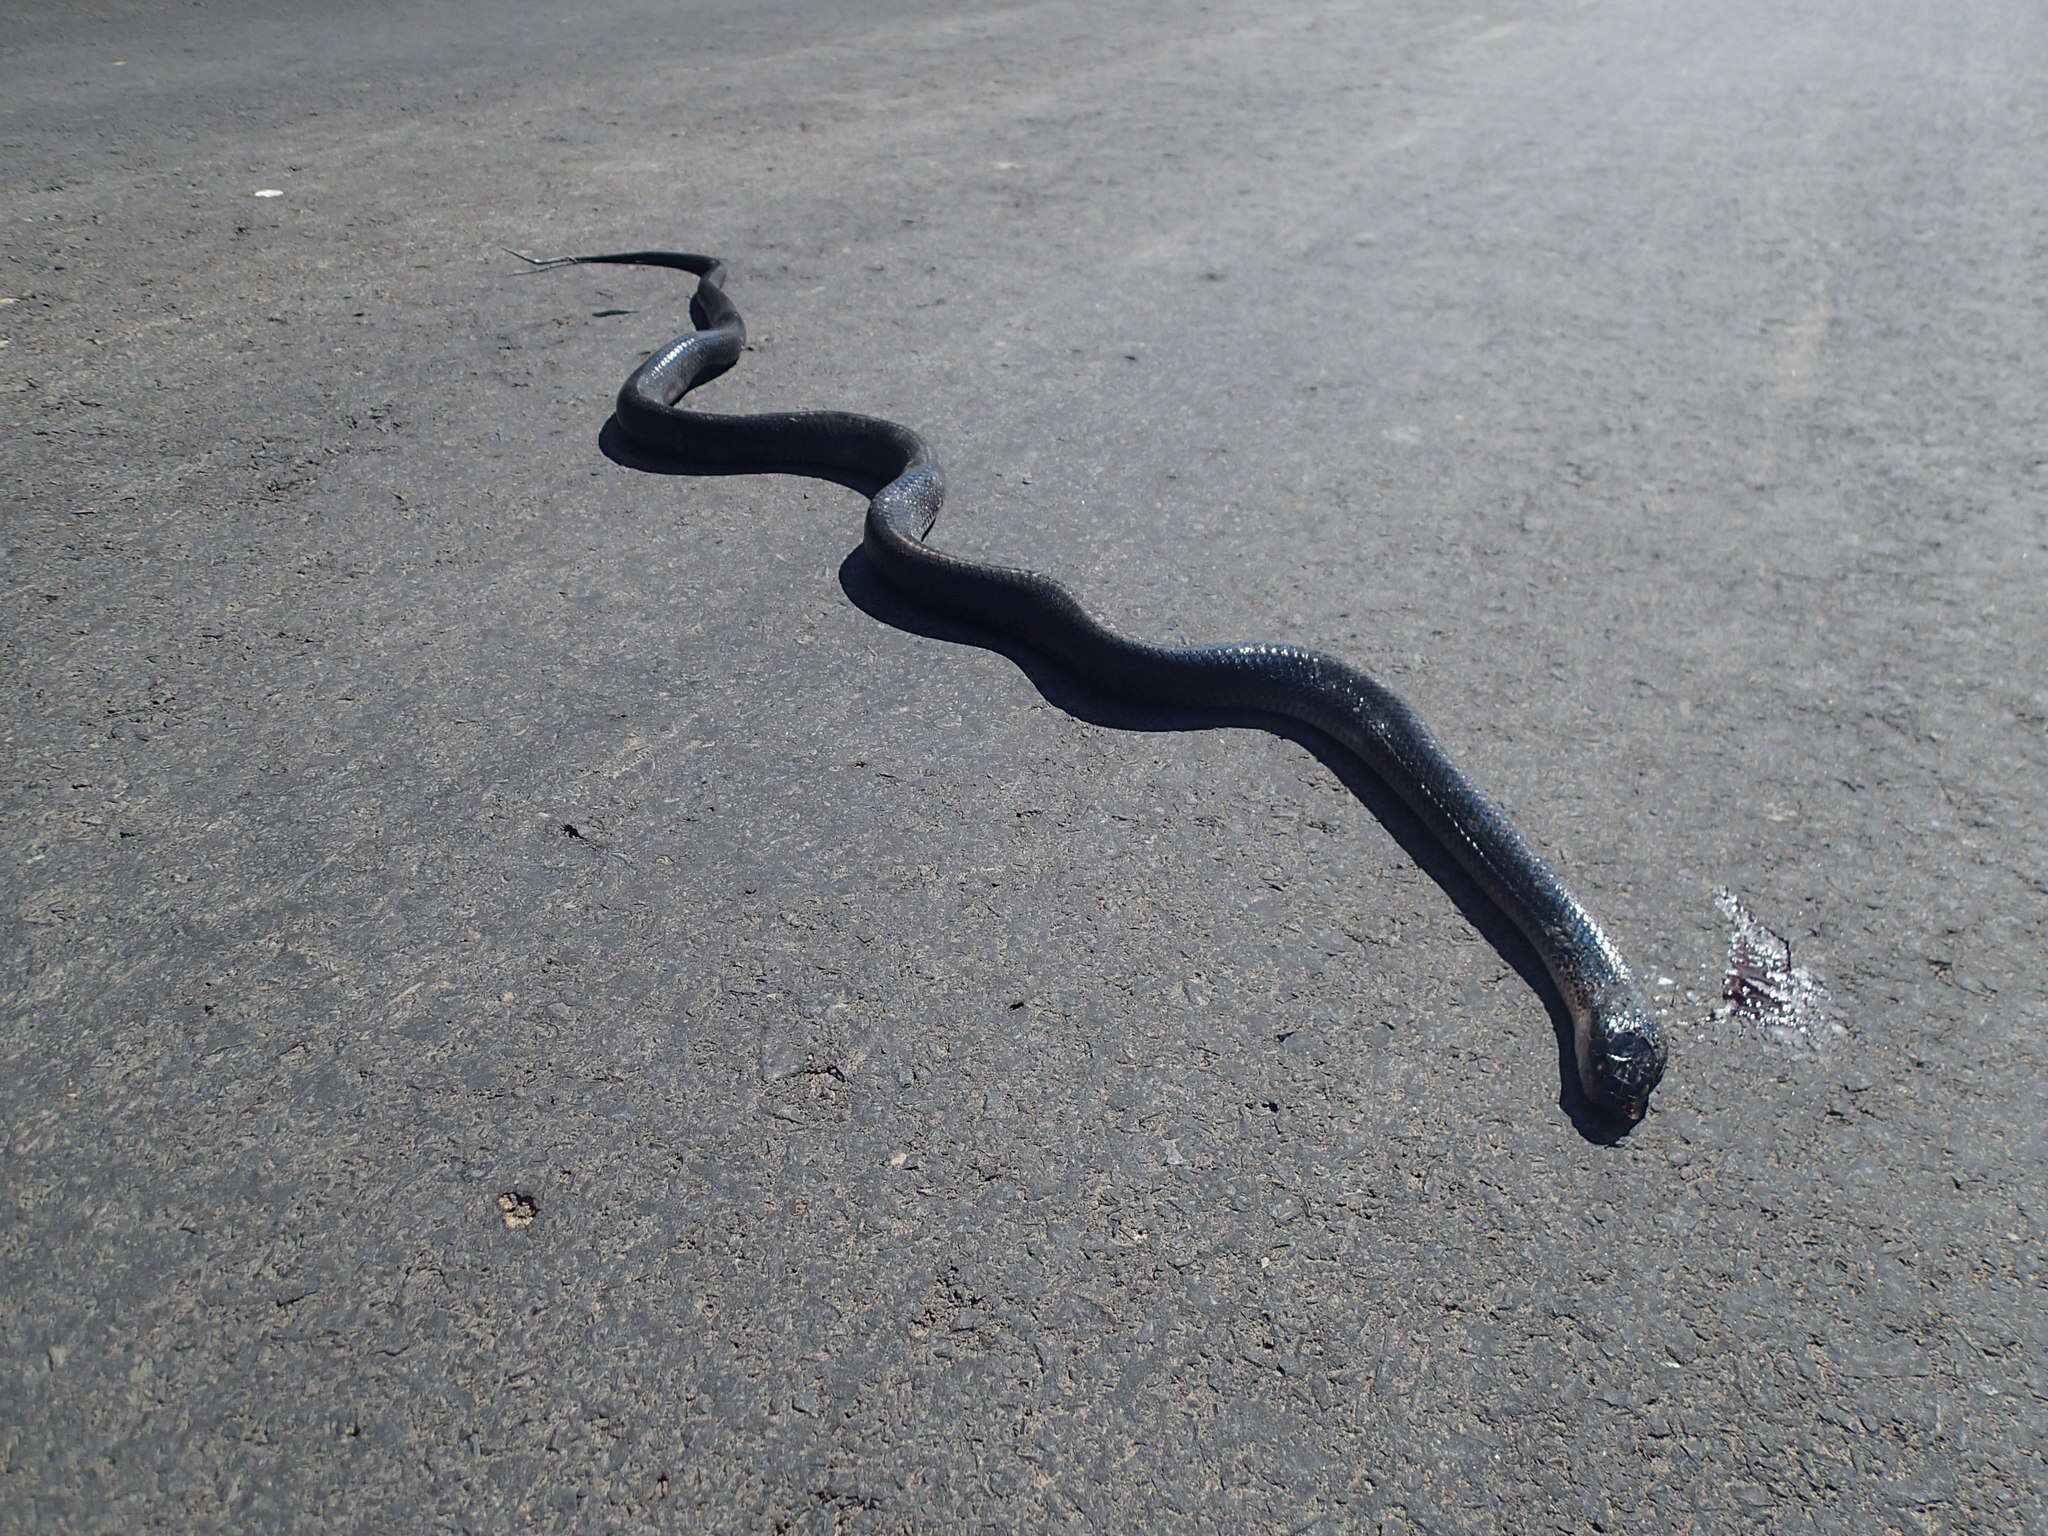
{"type": "Point", "coordinates": [865, 589]}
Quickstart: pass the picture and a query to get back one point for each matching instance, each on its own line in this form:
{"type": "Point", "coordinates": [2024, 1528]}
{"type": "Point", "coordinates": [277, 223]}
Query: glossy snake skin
{"type": "Point", "coordinates": [1621, 1050]}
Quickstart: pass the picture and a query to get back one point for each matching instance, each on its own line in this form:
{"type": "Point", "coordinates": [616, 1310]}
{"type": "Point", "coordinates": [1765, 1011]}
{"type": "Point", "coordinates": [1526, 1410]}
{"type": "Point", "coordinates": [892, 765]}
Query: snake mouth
{"type": "Point", "coordinates": [1630, 1110]}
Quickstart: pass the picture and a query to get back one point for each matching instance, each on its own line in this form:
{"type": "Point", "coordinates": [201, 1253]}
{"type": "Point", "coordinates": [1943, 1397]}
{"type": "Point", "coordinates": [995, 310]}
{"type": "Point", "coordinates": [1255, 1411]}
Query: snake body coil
{"type": "Point", "coordinates": [1621, 1052]}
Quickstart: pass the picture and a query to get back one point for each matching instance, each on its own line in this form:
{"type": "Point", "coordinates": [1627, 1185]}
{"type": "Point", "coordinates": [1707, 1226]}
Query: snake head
{"type": "Point", "coordinates": [1625, 1061]}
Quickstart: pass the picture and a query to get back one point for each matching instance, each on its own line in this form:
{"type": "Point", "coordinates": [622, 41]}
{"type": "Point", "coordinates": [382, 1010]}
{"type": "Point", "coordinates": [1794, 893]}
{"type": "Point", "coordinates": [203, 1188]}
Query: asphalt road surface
{"type": "Point", "coordinates": [539, 999]}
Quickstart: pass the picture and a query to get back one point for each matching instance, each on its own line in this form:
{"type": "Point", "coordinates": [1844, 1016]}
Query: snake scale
{"type": "Point", "coordinates": [1620, 1048]}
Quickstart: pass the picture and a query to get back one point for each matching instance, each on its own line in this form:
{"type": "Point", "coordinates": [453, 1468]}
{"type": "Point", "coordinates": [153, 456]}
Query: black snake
{"type": "Point", "coordinates": [1621, 1051]}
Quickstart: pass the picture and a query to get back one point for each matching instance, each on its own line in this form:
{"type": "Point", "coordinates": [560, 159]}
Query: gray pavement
{"type": "Point", "coordinates": [538, 1000]}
